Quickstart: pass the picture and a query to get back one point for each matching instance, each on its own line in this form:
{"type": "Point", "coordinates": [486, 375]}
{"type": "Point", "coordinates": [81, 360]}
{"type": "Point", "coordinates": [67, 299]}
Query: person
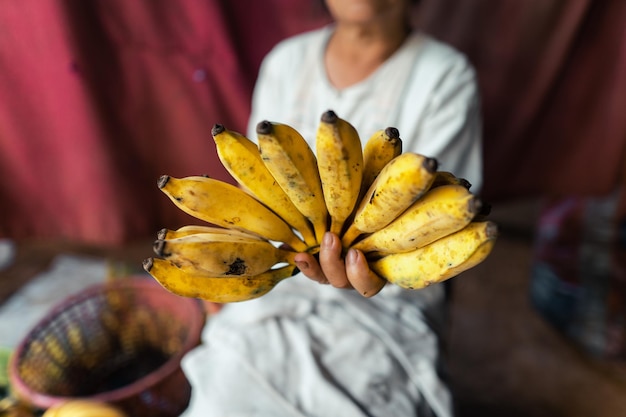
{"type": "Point", "coordinates": [313, 346]}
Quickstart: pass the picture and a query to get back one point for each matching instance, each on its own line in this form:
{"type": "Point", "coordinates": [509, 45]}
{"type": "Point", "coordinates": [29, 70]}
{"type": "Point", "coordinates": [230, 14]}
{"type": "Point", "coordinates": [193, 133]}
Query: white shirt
{"type": "Point", "coordinates": [307, 349]}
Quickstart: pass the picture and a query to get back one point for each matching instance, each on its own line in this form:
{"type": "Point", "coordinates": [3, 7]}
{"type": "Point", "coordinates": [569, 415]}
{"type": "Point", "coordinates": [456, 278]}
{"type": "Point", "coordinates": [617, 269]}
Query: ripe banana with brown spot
{"type": "Point", "coordinates": [215, 289]}
{"type": "Point", "coordinates": [287, 155]}
{"type": "Point", "coordinates": [340, 164]}
{"type": "Point", "coordinates": [447, 178]}
{"type": "Point", "coordinates": [381, 147]}
{"type": "Point", "coordinates": [439, 212]}
{"type": "Point", "coordinates": [222, 255]}
{"type": "Point", "coordinates": [241, 158]}
{"type": "Point", "coordinates": [228, 206]}
{"type": "Point", "coordinates": [401, 182]}
{"type": "Point", "coordinates": [441, 259]}
{"type": "Point", "coordinates": [193, 229]}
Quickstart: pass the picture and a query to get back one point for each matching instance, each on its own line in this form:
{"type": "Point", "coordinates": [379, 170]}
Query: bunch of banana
{"type": "Point", "coordinates": [417, 225]}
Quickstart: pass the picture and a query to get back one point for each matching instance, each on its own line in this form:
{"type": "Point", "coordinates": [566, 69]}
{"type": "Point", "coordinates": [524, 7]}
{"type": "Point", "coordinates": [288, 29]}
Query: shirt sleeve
{"type": "Point", "coordinates": [450, 127]}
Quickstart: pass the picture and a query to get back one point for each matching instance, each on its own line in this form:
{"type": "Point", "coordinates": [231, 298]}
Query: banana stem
{"type": "Point", "coordinates": [349, 237]}
{"type": "Point", "coordinates": [336, 226]}
{"type": "Point", "coordinates": [287, 257]}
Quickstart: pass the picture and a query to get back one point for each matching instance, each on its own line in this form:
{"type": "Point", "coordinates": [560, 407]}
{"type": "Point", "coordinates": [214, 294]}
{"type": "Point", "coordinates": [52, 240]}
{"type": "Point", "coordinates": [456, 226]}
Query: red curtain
{"type": "Point", "coordinates": [553, 81]}
{"type": "Point", "coordinates": [99, 98]}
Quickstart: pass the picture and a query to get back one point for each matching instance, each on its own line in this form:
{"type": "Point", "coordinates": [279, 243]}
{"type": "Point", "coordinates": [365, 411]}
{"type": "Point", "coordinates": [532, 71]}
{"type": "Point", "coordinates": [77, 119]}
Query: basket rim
{"type": "Point", "coordinates": [139, 282]}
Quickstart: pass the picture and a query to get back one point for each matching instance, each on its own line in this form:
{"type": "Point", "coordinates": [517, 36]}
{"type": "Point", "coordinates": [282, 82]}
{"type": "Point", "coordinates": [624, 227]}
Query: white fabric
{"type": "Point", "coordinates": [7, 253]}
{"type": "Point", "coordinates": [307, 349]}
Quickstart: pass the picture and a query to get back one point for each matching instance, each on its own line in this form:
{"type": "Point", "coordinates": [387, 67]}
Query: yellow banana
{"type": "Point", "coordinates": [479, 255]}
{"type": "Point", "coordinates": [340, 164]}
{"type": "Point", "coordinates": [380, 148]}
{"type": "Point", "coordinates": [225, 205]}
{"type": "Point", "coordinates": [222, 255]}
{"type": "Point", "coordinates": [83, 408]}
{"type": "Point", "coordinates": [215, 289]}
{"type": "Point", "coordinates": [193, 229]}
{"type": "Point", "coordinates": [441, 259]}
{"type": "Point", "coordinates": [241, 158]}
{"type": "Point", "coordinates": [400, 183]}
{"type": "Point", "coordinates": [446, 178]}
{"type": "Point", "coordinates": [289, 158]}
{"type": "Point", "coordinates": [438, 213]}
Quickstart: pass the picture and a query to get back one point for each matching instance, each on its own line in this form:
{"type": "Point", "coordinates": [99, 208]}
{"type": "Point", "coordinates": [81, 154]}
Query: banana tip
{"type": "Point", "coordinates": [329, 116]}
{"type": "Point", "coordinates": [162, 233]}
{"type": "Point", "coordinates": [264, 127]}
{"type": "Point", "coordinates": [217, 129]}
{"type": "Point", "coordinates": [491, 230]}
{"type": "Point", "coordinates": [392, 132]}
{"type": "Point", "coordinates": [158, 247]}
{"type": "Point", "coordinates": [163, 179]}
{"type": "Point", "coordinates": [147, 264]}
{"type": "Point", "coordinates": [476, 205]}
{"type": "Point", "coordinates": [431, 164]}
{"type": "Point", "coordinates": [485, 209]}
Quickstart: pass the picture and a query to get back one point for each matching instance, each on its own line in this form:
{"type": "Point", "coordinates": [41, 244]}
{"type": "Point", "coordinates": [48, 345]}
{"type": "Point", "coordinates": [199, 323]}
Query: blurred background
{"type": "Point", "coordinates": [99, 98]}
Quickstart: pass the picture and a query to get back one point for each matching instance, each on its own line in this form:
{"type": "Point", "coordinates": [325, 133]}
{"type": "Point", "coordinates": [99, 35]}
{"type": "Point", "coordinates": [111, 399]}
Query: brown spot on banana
{"type": "Point", "coordinates": [238, 267]}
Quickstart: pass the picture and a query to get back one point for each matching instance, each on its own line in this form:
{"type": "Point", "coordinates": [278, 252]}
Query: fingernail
{"type": "Point", "coordinates": [302, 265]}
{"type": "Point", "coordinates": [328, 240]}
{"type": "Point", "coordinates": [352, 256]}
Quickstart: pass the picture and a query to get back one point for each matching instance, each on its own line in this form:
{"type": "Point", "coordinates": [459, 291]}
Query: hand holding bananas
{"type": "Point", "coordinates": [369, 214]}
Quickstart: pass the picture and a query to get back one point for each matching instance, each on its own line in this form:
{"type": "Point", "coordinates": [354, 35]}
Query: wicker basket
{"type": "Point", "coordinates": [119, 342]}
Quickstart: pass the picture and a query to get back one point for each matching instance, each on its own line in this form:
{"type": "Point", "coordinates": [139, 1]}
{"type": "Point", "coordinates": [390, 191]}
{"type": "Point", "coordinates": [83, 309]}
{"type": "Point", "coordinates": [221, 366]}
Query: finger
{"type": "Point", "coordinates": [308, 265]}
{"type": "Point", "coordinates": [212, 308]}
{"type": "Point", "coordinates": [361, 277]}
{"type": "Point", "coordinates": [332, 262]}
